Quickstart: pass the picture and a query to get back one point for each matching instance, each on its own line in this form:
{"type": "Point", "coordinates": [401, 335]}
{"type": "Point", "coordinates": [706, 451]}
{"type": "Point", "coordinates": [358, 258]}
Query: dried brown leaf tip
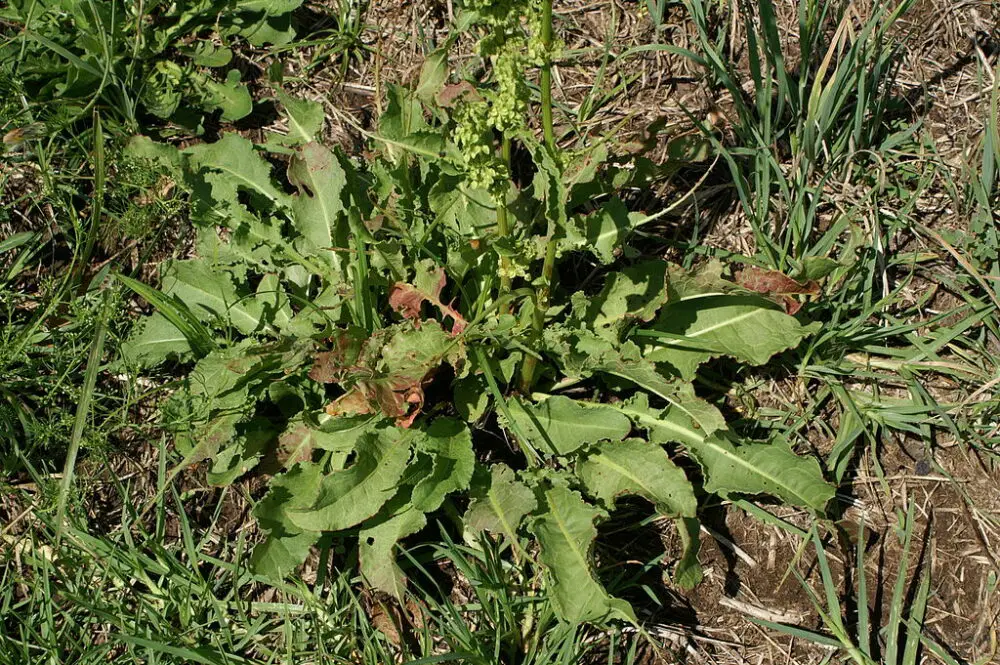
{"type": "Point", "coordinates": [777, 286]}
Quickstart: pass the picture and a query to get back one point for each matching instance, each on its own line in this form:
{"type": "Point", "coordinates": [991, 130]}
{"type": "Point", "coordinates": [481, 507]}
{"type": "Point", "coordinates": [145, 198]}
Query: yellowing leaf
{"type": "Point", "coordinates": [433, 75]}
{"type": "Point", "coordinates": [336, 435]}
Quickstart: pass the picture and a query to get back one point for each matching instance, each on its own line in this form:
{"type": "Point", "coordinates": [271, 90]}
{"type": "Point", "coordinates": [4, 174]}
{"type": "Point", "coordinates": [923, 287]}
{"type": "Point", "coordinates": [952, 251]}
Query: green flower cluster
{"type": "Point", "coordinates": [473, 134]}
{"type": "Point", "coordinates": [509, 100]}
{"type": "Point", "coordinates": [512, 45]}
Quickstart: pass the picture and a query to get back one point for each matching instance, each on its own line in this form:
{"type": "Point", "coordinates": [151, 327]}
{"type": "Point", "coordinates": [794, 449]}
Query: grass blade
{"type": "Point", "coordinates": [899, 593]}
{"type": "Point", "coordinates": [80, 421]}
{"type": "Point", "coordinates": [864, 629]}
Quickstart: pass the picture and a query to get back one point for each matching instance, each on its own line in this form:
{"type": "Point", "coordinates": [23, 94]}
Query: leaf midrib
{"type": "Point", "coordinates": [230, 310]}
{"type": "Point", "coordinates": [700, 440]}
{"type": "Point", "coordinates": [606, 461]}
{"type": "Point", "coordinates": [569, 539]}
{"type": "Point", "coordinates": [716, 326]}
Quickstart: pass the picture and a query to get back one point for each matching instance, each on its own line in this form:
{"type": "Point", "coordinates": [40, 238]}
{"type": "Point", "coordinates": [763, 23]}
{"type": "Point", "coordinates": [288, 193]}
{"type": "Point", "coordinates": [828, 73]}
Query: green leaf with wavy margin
{"type": "Point", "coordinates": [634, 294]}
{"type": "Point", "coordinates": [287, 545]}
{"type": "Point", "coordinates": [499, 503]}
{"type": "Point", "coordinates": [231, 97]}
{"type": "Point", "coordinates": [153, 340]}
{"type": "Point", "coordinates": [347, 498]}
{"type": "Point", "coordinates": [210, 292]}
{"type": "Point", "coordinates": [688, 573]}
{"type": "Point", "coordinates": [616, 468]}
{"type": "Point", "coordinates": [561, 426]}
{"type": "Point", "coordinates": [222, 170]}
{"type": "Point", "coordinates": [449, 444]}
{"type": "Point", "coordinates": [305, 120]}
{"type": "Point", "coordinates": [752, 468]}
{"type": "Point", "coordinates": [318, 207]}
{"type": "Point", "coordinates": [566, 534]}
{"type": "Point", "coordinates": [680, 395]}
{"type": "Point", "coordinates": [377, 542]}
{"type": "Point", "coordinates": [748, 328]}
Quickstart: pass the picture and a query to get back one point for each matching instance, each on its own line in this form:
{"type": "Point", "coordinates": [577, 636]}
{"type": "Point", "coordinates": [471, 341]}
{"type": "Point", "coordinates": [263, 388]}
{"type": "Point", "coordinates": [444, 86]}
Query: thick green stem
{"type": "Point", "coordinates": [546, 79]}
{"type": "Point", "coordinates": [503, 230]}
{"type": "Point", "coordinates": [548, 267]}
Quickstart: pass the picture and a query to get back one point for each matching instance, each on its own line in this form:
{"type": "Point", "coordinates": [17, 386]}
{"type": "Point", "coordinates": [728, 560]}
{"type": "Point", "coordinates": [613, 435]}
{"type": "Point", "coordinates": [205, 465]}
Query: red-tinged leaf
{"type": "Point", "coordinates": [773, 282]}
{"type": "Point", "coordinates": [390, 400]}
{"type": "Point", "coordinates": [407, 299]}
{"type": "Point", "coordinates": [777, 286]}
{"type": "Point", "coordinates": [295, 445]}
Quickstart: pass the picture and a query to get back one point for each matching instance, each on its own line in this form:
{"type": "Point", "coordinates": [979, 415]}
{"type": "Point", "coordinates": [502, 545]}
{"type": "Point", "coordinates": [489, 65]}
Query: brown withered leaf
{"type": "Point", "coordinates": [333, 365]}
{"type": "Point", "coordinates": [779, 287]}
{"type": "Point", "coordinates": [326, 367]}
{"type": "Point", "coordinates": [451, 94]}
{"type": "Point", "coordinates": [351, 403]}
{"type": "Point", "coordinates": [387, 622]}
{"type": "Point", "coordinates": [407, 299]}
{"type": "Point", "coordinates": [391, 369]}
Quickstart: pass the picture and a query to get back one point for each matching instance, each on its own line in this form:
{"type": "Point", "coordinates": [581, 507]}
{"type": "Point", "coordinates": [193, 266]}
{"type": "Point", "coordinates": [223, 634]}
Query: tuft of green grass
{"type": "Point", "coordinates": [804, 125]}
{"type": "Point", "coordinates": [902, 640]}
{"type": "Point", "coordinates": [168, 590]}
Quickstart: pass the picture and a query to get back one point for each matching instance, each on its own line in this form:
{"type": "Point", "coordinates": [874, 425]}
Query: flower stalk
{"type": "Point", "coordinates": [544, 290]}
{"type": "Point", "coordinates": [503, 230]}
